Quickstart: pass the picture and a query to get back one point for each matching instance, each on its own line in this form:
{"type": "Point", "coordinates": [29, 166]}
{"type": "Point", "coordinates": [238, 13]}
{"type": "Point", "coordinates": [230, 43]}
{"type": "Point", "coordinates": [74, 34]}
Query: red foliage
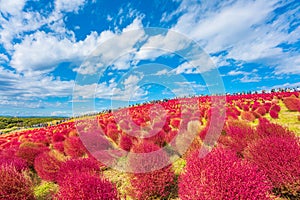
{"type": "Point", "coordinates": [77, 166]}
{"type": "Point", "coordinates": [175, 122]}
{"type": "Point", "coordinates": [159, 181]}
{"type": "Point", "coordinates": [74, 147]}
{"type": "Point", "coordinates": [267, 106]}
{"type": "Point", "coordinates": [58, 137]}
{"type": "Point", "coordinates": [255, 105]}
{"type": "Point", "coordinates": [30, 150]}
{"type": "Point", "coordinates": [59, 146]}
{"type": "Point", "coordinates": [149, 157]}
{"type": "Point", "coordinates": [278, 157]}
{"type": "Point", "coordinates": [274, 114]}
{"type": "Point", "coordinates": [47, 166]}
{"type": "Point", "coordinates": [14, 184]}
{"type": "Point", "coordinates": [292, 103]}
{"type": "Point", "coordinates": [94, 140]}
{"type": "Point", "coordinates": [261, 110]}
{"type": "Point", "coordinates": [275, 108]}
{"type": "Point", "coordinates": [222, 175]}
{"type": "Point", "coordinates": [16, 162]}
{"type": "Point", "coordinates": [247, 115]}
{"type": "Point", "coordinates": [238, 136]}
{"type": "Point", "coordinates": [113, 133]}
{"type": "Point", "coordinates": [86, 186]}
{"type": "Point", "coordinates": [265, 128]}
{"type": "Point", "coordinates": [125, 142]}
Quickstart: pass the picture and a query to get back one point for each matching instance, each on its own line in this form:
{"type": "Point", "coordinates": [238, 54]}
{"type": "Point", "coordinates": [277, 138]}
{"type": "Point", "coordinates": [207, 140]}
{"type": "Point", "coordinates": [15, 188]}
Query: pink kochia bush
{"type": "Point", "coordinates": [279, 158]}
{"type": "Point", "coordinates": [152, 183]}
{"type": "Point", "coordinates": [265, 129]}
{"type": "Point", "coordinates": [47, 166]}
{"type": "Point", "coordinates": [18, 163]}
{"type": "Point", "coordinates": [73, 147]}
{"type": "Point", "coordinates": [238, 135]}
{"type": "Point", "coordinates": [86, 186]}
{"type": "Point", "coordinates": [77, 166]}
{"type": "Point", "coordinates": [292, 103]}
{"type": "Point", "coordinates": [221, 175]}
{"type": "Point", "coordinates": [15, 184]}
{"type": "Point", "coordinates": [30, 150]}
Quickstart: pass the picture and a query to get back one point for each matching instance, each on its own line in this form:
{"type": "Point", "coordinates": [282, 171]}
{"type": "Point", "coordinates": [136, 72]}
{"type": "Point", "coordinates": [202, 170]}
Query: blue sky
{"type": "Point", "coordinates": [101, 53]}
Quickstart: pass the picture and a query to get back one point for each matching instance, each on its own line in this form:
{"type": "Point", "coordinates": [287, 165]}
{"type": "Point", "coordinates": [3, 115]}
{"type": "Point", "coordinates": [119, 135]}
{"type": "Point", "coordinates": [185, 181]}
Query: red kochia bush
{"type": "Point", "coordinates": [18, 163]}
{"type": "Point", "coordinates": [47, 166]}
{"type": "Point", "coordinates": [238, 135]}
{"type": "Point", "coordinates": [125, 142]}
{"type": "Point", "coordinates": [275, 107]}
{"type": "Point", "coordinates": [29, 151]}
{"type": "Point", "coordinates": [292, 103]}
{"type": "Point", "coordinates": [76, 166]}
{"type": "Point", "coordinates": [279, 158]}
{"type": "Point", "coordinates": [274, 114]}
{"type": "Point", "coordinates": [265, 128]}
{"type": "Point", "coordinates": [86, 186]}
{"type": "Point", "coordinates": [247, 115]}
{"type": "Point", "coordinates": [222, 175]}
{"type": "Point", "coordinates": [261, 110]}
{"type": "Point", "coordinates": [14, 184]}
{"type": "Point", "coordinates": [151, 184]}
{"type": "Point", "coordinates": [74, 147]}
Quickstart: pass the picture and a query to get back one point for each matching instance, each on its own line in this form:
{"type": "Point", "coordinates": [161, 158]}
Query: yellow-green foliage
{"type": "Point", "coordinates": [178, 166]}
{"type": "Point", "coordinates": [122, 181]}
{"type": "Point", "coordinates": [45, 191]}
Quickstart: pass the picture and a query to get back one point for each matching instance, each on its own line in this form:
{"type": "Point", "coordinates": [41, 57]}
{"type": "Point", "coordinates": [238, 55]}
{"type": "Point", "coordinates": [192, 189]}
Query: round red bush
{"type": "Point", "coordinates": [125, 142]}
{"type": "Point", "coordinates": [222, 175]}
{"type": "Point", "coordinates": [14, 184]}
{"type": "Point", "coordinates": [274, 114]}
{"type": "Point", "coordinates": [73, 147]}
{"type": "Point", "coordinates": [278, 157]}
{"type": "Point", "coordinates": [86, 186]}
{"type": "Point", "coordinates": [47, 166]}
{"type": "Point", "coordinates": [275, 108]}
{"type": "Point", "coordinates": [76, 166]}
{"type": "Point", "coordinates": [292, 103]}
{"type": "Point", "coordinates": [248, 115]}
{"type": "Point", "coordinates": [30, 150]}
{"type": "Point", "coordinates": [238, 135]}
{"type": "Point", "coordinates": [261, 110]}
{"type": "Point", "coordinates": [265, 129]}
{"type": "Point", "coordinates": [153, 183]}
{"type": "Point", "coordinates": [18, 163]}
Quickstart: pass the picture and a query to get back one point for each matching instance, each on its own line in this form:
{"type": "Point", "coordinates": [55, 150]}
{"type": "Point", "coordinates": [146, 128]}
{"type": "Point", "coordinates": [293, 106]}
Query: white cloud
{"type": "Point", "coordinates": [3, 58]}
{"type": "Point", "coordinates": [285, 85]}
{"type": "Point", "coordinates": [21, 21]}
{"type": "Point", "coordinates": [159, 45]}
{"type": "Point", "coordinates": [247, 77]}
{"type": "Point", "coordinates": [43, 51]}
{"type": "Point", "coordinates": [161, 72]}
{"type": "Point", "coordinates": [245, 29]}
{"type": "Point", "coordinates": [12, 7]}
{"type": "Point", "coordinates": [126, 90]}
{"type": "Point", "coordinates": [69, 5]}
{"type": "Point", "coordinates": [222, 28]}
{"type": "Point", "coordinates": [235, 73]}
{"type": "Point", "coordinates": [114, 48]}
{"type": "Point", "coordinates": [28, 86]}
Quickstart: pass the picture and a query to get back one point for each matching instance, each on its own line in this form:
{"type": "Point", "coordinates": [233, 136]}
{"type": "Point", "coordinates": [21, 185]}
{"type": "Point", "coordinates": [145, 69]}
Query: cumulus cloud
{"type": "Point", "coordinates": [247, 30]}
{"type": "Point", "coordinates": [12, 7]}
{"type": "Point", "coordinates": [69, 5]}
